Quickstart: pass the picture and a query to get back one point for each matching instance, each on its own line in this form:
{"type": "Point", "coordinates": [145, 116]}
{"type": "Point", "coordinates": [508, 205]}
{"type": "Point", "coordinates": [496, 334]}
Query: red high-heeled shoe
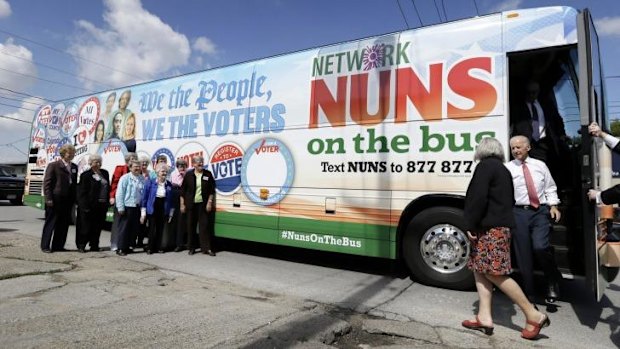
{"type": "Point", "coordinates": [527, 334]}
{"type": "Point", "coordinates": [478, 326]}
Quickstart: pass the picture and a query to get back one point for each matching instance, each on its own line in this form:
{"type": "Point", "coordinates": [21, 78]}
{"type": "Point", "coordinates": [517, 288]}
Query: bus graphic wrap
{"type": "Point", "coordinates": [329, 148]}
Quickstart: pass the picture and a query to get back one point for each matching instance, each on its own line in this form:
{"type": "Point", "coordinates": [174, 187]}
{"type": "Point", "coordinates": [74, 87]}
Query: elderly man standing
{"type": "Point", "coordinates": [59, 187]}
{"type": "Point", "coordinates": [536, 199]}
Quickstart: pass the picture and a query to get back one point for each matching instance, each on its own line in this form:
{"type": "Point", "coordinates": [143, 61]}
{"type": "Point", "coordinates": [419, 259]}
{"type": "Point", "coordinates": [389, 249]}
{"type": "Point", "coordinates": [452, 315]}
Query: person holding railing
{"type": "Point", "coordinates": [612, 195]}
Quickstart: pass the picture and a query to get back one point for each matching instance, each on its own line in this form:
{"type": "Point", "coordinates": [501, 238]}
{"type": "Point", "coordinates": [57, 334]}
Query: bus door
{"type": "Point", "coordinates": [595, 157]}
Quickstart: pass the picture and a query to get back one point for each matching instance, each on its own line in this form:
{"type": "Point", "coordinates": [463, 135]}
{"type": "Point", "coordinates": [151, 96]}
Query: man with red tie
{"type": "Point", "coordinates": [536, 199]}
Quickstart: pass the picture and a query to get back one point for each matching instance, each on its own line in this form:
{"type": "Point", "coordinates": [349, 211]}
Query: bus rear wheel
{"type": "Point", "coordinates": [435, 248]}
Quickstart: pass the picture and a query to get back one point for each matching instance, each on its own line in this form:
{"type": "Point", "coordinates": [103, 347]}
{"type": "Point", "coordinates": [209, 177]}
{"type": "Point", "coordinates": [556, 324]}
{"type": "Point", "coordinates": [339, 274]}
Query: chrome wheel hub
{"type": "Point", "coordinates": [445, 248]}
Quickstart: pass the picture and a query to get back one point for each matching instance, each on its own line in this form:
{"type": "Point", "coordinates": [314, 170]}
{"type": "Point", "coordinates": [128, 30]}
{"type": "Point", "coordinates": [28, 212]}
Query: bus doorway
{"type": "Point", "coordinates": [554, 73]}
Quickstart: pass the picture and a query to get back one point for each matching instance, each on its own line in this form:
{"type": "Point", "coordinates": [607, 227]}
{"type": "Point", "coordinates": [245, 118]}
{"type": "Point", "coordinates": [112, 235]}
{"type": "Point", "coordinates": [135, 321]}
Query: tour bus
{"type": "Point", "coordinates": [365, 147]}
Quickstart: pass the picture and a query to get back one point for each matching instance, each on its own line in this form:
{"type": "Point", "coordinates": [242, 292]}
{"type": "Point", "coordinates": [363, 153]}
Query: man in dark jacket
{"type": "Point", "coordinates": [538, 119]}
{"type": "Point", "coordinates": [59, 186]}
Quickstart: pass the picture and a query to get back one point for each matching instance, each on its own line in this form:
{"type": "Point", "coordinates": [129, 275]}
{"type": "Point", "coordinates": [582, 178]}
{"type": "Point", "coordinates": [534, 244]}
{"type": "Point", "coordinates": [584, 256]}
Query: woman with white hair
{"type": "Point", "coordinates": [157, 207]}
{"type": "Point", "coordinates": [92, 196]}
{"type": "Point", "coordinates": [488, 220]}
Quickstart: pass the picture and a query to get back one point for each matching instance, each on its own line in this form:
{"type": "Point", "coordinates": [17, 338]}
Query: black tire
{"type": "Point", "coordinates": [438, 227]}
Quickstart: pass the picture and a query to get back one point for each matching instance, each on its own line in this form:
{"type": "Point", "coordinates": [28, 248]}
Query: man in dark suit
{"type": "Point", "coordinates": [538, 120]}
{"type": "Point", "coordinates": [59, 186]}
{"type": "Point", "coordinates": [198, 200]}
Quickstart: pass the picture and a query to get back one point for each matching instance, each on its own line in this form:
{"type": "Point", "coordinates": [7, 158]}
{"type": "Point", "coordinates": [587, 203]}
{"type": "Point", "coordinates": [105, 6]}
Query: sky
{"type": "Point", "coordinates": [57, 49]}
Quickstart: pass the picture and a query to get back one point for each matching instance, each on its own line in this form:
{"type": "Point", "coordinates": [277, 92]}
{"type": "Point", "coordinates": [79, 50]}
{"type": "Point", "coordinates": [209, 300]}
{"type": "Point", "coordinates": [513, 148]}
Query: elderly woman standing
{"type": "Point", "coordinates": [198, 200]}
{"type": "Point", "coordinates": [489, 218]}
{"type": "Point", "coordinates": [92, 196]}
{"type": "Point", "coordinates": [128, 198]}
{"type": "Point", "coordinates": [157, 207]}
{"type": "Point", "coordinates": [137, 238]}
{"type": "Point", "coordinates": [119, 171]}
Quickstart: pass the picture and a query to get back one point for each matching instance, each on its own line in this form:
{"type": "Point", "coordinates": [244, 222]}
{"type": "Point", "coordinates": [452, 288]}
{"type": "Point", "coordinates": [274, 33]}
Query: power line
{"type": "Point", "coordinates": [445, 14]}
{"type": "Point", "coordinates": [14, 119]}
{"type": "Point", "coordinates": [15, 106]}
{"type": "Point", "coordinates": [46, 80]}
{"type": "Point", "coordinates": [437, 9]}
{"type": "Point", "coordinates": [20, 100]}
{"type": "Point", "coordinates": [417, 13]}
{"type": "Point", "coordinates": [54, 68]}
{"type": "Point", "coordinates": [17, 141]}
{"type": "Point", "coordinates": [476, 6]}
{"type": "Point", "coordinates": [16, 148]}
{"type": "Point", "coordinates": [402, 13]}
{"type": "Point", "coordinates": [23, 93]}
{"type": "Point", "coordinates": [70, 54]}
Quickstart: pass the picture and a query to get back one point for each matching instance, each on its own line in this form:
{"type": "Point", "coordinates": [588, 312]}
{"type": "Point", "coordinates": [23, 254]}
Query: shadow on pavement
{"type": "Point", "coordinates": [369, 265]}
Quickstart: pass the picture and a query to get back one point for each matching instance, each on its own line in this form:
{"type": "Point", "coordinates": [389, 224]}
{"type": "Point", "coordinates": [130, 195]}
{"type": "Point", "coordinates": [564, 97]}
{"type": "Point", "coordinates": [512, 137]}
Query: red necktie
{"type": "Point", "coordinates": [531, 188]}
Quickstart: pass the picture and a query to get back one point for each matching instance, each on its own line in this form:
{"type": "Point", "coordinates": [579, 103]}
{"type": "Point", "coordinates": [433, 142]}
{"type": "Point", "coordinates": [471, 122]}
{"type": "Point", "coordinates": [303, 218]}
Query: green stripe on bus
{"type": "Point", "coordinates": [344, 237]}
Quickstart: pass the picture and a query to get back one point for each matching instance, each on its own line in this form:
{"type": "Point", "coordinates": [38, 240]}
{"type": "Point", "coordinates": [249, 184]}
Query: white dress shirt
{"type": "Point", "coordinates": [610, 140]}
{"type": "Point", "coordinates": [545, 185]}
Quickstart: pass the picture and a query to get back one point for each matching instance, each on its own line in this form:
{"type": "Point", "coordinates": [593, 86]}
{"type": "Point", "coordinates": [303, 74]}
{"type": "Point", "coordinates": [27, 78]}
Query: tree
{"type": "Point", "coordinates": [614, 127]}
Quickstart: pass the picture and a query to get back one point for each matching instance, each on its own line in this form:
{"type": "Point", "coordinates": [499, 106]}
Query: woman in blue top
{"type": "Point", "coordinates": [157, 207]}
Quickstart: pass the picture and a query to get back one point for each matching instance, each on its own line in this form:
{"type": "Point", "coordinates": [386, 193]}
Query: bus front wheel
{"type": "Point", "coordinates": [435, 248]}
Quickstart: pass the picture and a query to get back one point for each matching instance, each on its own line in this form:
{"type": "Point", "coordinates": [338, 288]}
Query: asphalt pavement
{"type": "Point", "coordinates": [254, 296]}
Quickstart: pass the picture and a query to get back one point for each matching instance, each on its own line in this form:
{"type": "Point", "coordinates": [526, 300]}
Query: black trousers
{"type": "Point", "coordinates": [179, 220]}
{"type": "Point", "coordinates": [128, 224]}
{"type": "Point", "coordinates": [57, 219]}
{"type": "Point", "coordinates": [137, 239]}
{"type": "Point", "coordinates": [530, 240]}
{"type": "Point", "coordinates": [157, 221]}
{"type": "Point", "coordinates": [197, 215]}
{"type": "Point", "coordinates": [91, 223]}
